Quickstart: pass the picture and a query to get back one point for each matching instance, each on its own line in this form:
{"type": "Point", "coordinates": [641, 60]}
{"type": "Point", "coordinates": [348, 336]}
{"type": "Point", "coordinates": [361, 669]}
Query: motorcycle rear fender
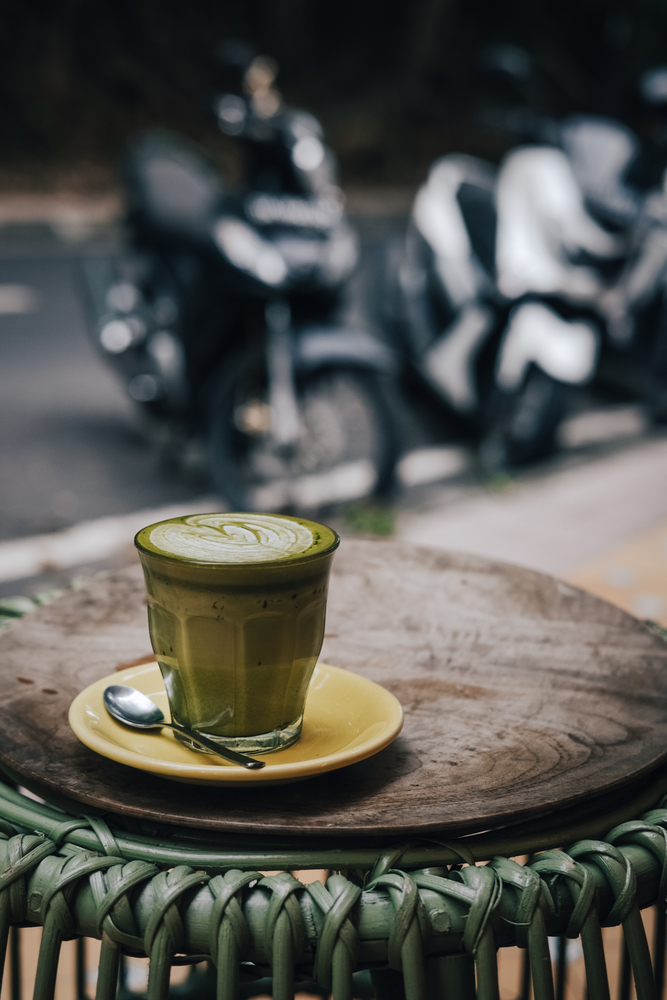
{"type": "Point", "coordinates": [324, 347]}
{"type": "Point", "coordinates": [565, 350]}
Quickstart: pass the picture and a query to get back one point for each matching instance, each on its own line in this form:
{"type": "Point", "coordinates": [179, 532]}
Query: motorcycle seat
{"type": "Point", "coordinates": [173, 188]}
{"type": "Point", "coordinates": [602, 152]}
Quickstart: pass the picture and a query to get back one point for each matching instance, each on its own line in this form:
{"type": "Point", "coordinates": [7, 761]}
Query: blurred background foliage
{"type": "Point", "coordinates": [395, 82]}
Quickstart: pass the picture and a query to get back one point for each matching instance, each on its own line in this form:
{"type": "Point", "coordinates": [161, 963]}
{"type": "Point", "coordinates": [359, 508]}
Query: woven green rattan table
{"type": "Point", "coordinates": [536, 715]}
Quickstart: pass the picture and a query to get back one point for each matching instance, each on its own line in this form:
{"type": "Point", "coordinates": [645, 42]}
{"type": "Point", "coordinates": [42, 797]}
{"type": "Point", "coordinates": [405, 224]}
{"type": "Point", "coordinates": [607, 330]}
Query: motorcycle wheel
{"type": "Point", "coordinates": [521, 427]}
{"type": "Point", "coordinates": [656, 396]}
{"type": "Point", "coordinates": [346, 449]}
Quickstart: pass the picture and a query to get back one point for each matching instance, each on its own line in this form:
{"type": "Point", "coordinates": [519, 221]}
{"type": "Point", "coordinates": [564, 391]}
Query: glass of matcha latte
{"type": "Point", "coordinates": [236, 608]}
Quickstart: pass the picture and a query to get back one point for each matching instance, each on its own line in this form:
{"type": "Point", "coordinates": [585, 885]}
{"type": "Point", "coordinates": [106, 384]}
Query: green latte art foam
{"type": "Point", "coordinates": [236, 538]}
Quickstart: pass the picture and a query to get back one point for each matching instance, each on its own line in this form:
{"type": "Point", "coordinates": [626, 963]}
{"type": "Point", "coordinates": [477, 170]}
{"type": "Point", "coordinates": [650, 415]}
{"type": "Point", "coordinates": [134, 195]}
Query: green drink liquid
{"type": "Point", "coordinates": [236, 611]}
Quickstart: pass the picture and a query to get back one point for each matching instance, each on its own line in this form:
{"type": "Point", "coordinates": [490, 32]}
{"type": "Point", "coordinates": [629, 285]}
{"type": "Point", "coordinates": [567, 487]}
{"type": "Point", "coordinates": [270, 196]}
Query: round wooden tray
{"type": "Point", "coordinates": [522, 695]}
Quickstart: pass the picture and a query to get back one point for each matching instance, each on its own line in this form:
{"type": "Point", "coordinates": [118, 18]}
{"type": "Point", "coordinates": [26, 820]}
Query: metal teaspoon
{"type": "Point", "coordinates": [136, 709]}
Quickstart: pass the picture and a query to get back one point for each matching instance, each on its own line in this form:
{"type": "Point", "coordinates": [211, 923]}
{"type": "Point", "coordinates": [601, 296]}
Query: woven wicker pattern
{"type": "Point", "coordinates": [406, 926]}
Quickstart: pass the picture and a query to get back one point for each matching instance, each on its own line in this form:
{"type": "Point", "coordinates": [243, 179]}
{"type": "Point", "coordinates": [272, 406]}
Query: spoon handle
{"type": "Point", "coordinates": [232, 755]}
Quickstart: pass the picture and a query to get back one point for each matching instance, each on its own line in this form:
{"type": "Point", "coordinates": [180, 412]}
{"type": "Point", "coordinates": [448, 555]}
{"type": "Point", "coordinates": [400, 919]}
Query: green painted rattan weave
{"type": "Point", "coordinates": [77, 877]}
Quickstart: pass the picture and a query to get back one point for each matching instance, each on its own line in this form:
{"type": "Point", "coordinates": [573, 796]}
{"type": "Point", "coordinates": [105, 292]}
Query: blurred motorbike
{"type": "Point", "coordinates": [519, 284]}
{"type": "Point", "coordinates": [606, 262]}
{"type": "Point", "coordinates": [620, 184]}
{"type": "Point", "coordinates": [221, 320]}
{"type": "Point", "coordinates": [624, 186]}
{"type": "Point", "coordinates": [503, 360]}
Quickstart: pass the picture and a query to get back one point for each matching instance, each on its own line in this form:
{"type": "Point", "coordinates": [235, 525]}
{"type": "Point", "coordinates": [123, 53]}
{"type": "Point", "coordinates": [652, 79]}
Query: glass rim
{"type": "Point", "coordinates": [240, 566]}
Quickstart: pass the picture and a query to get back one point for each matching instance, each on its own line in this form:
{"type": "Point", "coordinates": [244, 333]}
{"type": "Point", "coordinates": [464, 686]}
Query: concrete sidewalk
{"type": "Point", "coordinates": [559, 520]}
{"type": "Point", "coordinates": [602, 525]}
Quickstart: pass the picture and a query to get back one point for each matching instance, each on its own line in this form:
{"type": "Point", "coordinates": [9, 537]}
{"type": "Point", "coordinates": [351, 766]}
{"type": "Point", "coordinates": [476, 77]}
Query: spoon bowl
{"type": "Point", "coordinates": [133, 708]}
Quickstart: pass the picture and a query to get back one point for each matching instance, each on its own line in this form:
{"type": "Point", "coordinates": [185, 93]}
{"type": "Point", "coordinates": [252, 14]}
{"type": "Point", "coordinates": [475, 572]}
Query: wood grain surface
{"type": "Point", "coordinates": [522, 696]}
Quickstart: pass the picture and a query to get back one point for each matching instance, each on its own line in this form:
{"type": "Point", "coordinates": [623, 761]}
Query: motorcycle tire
{"type": "Point", "coordinates": [521, 427]}
{"type": "Point", "coordinates": [656, 395]}
{"type": "Point", "coordinates": [347, 449]}
{"type": "Point", "coordinates": [656, 405]}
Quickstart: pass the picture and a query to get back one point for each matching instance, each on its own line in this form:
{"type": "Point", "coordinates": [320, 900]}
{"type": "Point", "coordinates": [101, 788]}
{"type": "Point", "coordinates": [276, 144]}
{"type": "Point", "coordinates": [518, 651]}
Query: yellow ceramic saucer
{"type": "Point", "coordinates": [347, 719]}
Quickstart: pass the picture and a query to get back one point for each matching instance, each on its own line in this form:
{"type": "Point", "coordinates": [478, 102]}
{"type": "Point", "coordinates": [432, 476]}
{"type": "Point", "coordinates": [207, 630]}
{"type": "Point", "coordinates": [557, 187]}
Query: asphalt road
{"type": "Point", "coordinates": [71, 446]}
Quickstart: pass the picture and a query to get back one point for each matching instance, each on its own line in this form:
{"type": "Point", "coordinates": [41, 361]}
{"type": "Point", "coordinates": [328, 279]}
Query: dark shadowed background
{"type": "Point", "coordinates": [395, 82]}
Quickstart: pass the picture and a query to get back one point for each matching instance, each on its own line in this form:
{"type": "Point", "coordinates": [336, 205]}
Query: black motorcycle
{"type": "Point", "coordinates": [222, 320]}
